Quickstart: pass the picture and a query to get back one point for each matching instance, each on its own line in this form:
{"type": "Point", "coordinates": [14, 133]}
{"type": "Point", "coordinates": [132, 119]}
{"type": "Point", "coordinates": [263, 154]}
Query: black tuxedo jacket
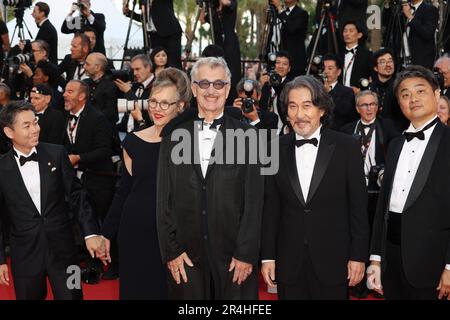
{"type": "Point", "coordinates": [68, 66]}
{"type": "Point", "coordinates": [293, 32]}
{"type": "Point", "coordinates": [332, 221]}
{"type": "Point", "coordinates": [52, 126]}
{"type": "Point", "coordinates": [47, 32]}
{"type": "Point", "coordinates": [93, 143]}
{"type": "Point", "coordinates": [99, 25]}
{"type": "Point", "coordinates": [62, 200]}
{"type": "Point", "coordinates": [362, 65]}
{"type": "Point", "coordinates": [385, 131]}
{"type": "Point", "coordinates": [104, 98]}
{"type": "Point", "coordinates": [344, 106]}
{"type": "Point", "coordinates": [425, 233]}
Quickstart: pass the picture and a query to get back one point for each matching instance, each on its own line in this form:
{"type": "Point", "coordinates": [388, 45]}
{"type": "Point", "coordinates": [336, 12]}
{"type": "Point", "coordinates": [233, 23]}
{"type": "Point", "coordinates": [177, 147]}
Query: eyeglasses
{"type": "Point", "coordinates": [205, 84]}
{"type": "Point", "coordinates": [366, 105]}
{"type": "Point", "coordinates": [385, 62]}
{"type": "Point", "coordinates": [164, 105]}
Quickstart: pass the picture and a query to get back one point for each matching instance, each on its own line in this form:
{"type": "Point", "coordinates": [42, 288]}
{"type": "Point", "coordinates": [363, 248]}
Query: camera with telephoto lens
{"type": "Point", "coordinates": [317, 69]}
{"type": "Point", "coordinates": [124, 75]}
{"type": "Point", "coordinates": [79, 4]}
{"type": "Point", "coordinates": [17, 3]}
{"type": "Point", "coordinates": [248, 102]}
{"type": "Point", "coordinates": [375, 177]}
{"type": "Point", "coordinates": [274, 78]}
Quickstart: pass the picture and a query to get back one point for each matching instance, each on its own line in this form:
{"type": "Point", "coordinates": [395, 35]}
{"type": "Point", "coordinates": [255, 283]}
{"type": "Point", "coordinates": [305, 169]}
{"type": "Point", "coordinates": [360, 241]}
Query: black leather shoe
{"type": "Point", "coordinates": [91, 273]}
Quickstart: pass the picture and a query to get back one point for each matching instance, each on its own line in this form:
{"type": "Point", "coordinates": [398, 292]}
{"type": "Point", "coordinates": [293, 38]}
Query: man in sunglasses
{"type": "Point", "coordinates": [209, 207]}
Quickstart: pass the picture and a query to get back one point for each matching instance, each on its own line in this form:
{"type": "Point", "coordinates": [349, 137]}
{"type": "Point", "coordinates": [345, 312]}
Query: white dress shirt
{"type": "Point", "coordinates": [72, 136]}
{"type": "Point", "coordinates": [305, 157]}
{"type": "Point", "coordinates": [348, 65]}
{"type": "Point", "coordinates": [407, 165]}
{"type": "Point", "coordinates": [206, 138]}
{"type": "Point", "coordinates": [31, 177]}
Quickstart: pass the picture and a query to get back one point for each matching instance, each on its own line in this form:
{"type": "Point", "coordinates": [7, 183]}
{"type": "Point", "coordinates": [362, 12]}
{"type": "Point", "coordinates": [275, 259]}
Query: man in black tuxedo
{"type": "Point", "coordinates": [42, 196]}
{"type": "Point", "coordinates": [411, 234]}
{"type": "Point", "coordinates": [73, 63]}
{"type": "Point", "coordinates": [135, 118]}
{"type": "Point", "coordinates": [343, 97]}
{"type": "Point", "coordinates": [315, 232]}
{"type": "Point", "coordinates": [257, 117]}
{"type": "Point", "coordinates": [294, 25]}
{"type": "Point", "coordinates": [443, 66]}
{"type": "Point", "coordinates": [87, 18]}
{"type": "Point", "coordinates": [209, 212]}
{"type": "Point", "coordinates": [50, 120]}
{"type": "Point", "coordinates": [47, 31]}
{"type": "Point", "coordinates": [163, 27]}
{"type": "Point", "coordinates": [357, 59]}
{"type": "Point", "coordinates": [271, 91]}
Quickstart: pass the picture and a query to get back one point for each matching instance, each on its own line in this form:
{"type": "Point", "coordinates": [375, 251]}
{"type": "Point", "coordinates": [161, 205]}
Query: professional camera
{"type": "Point", "coordinates": [439, 77]}
{"type": "Point", "coordinates": [124, 75]}
{"type": "Point", "coordinates": [79, 4]}
{"type": "Point", "coordinates": [317, 69]}
{"type": "Point", "coordinates": [363, 84]}
{"type": "Point", "coordinates": [23, 58]}
{"type": "Point", "coordinates": [375, 177]}
{"type": "Point", "coordinates": [248, 102]}
{"type": "Point", "coordinates": [274, 78]}
{"type": "Point", "coordinates": [17, 3]}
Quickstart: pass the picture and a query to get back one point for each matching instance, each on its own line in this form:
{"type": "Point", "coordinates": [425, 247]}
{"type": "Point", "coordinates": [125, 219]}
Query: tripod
{"type": "Point", "coordinates": [18, 14]}
{"type": "Point", "coordinates": [394, 34]}
{"type": "Point", "coordinates": [267, 45]}
{"type": "Point", "coordinates": [326, 20]}
{"type": "Point", "coordinates": [125, 46]}
{"type": "Point", "coordinates": [190, 40]}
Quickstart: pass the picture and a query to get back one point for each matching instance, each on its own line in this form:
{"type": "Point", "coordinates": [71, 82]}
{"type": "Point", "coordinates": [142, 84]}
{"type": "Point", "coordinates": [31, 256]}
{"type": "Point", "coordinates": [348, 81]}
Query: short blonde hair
{"type": "Point", "coordinates": [172, 77]}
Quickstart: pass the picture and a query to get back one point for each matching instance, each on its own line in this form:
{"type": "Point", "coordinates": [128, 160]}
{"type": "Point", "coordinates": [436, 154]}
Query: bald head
{"type": "Point", "coordinates": [95, 65]}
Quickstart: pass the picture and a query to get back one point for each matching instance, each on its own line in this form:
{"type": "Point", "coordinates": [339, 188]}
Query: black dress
{"type": "Point", "coordinates": [133, 216]}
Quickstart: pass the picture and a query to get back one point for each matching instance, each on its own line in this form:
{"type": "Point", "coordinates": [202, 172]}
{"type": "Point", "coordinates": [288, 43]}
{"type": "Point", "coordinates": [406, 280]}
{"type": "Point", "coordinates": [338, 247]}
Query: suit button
{"type": "Point", "coordinates": [204, 212]}
{"type": "Point", "coordinates": [307, 211]}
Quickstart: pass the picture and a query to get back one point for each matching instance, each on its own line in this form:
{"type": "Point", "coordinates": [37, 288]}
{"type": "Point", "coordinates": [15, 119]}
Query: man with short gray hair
{"type": "Point", "coordinates": [208, 210]}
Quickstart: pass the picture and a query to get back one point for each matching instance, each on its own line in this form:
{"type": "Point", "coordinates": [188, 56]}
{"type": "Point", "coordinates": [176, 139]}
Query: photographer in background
{"type": "Point", "coordinates": [87, 18]}
{"type": "Point", "coordinates": [272, 83]}
{"type": "Point", "coordinates": [138, 91]}
{"type": "Point", "coordinates": [249, 95]}
{"type": "Point", "coordinates": [47, 31]}
{"type": "Point", "coordinates": [4, 40]}
{"type": "Point", "coordinates": [73, 63]}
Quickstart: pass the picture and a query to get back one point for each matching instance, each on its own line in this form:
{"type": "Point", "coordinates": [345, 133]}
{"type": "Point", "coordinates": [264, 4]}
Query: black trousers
{"type": "Point", "coordinates": [172, 44]}
{"type": "Point", "coordinates": [309, 286]}
{"type": "Point", "coordinates": [395, 284]}
{"type": "Point", "coordinates": [35, 287]}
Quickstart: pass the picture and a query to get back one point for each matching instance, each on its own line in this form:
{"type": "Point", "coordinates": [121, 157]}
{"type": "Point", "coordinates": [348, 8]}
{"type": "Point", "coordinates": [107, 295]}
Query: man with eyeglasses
{"type": "Point", "coordinates": [443, 66]}
{"type": "Point", "coordinates": [384, 67]}
{"type": "Point", "coordinates": [208, 210]}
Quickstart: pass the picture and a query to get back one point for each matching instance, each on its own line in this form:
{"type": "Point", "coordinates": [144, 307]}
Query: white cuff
{"type": "Point", "coordinates": [91, 18]}
{"type": "Point", "coordinates": [69, 18]}
{"type": "Point", "coordinates": [264, 261]}
{"type": "Point", "coordinates": [254, 123]}
{"type": "Point", "coordinates": [90, 236]}
{"type": "Point", "coordinates": [447, 267]}
{"type": "Point", "coordinates": [375, 257]}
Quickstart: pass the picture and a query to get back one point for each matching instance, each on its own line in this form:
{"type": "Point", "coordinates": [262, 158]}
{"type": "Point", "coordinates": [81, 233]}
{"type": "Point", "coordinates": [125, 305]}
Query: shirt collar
{"type": "Point", "coordinates": [42, 22]}
{"type": "Point", "coordinates": [354, 47]}
{"type": "Point", "coordinates": [333, 85]}
{"type": "Point", "coordinates": [412, 129]}
{"type": "Point", "coordinates": [368, 123]}
{"type": "Point", "coordinates": [416, 6]}
{"type": "Point", "coordinates": [147, 82]}
{"type": "Point", "coordinates": [316, 134]}
{"type": "Point", "coordinates": [18, 153]}
{"type": "Point", "coordinates": [79, 111]}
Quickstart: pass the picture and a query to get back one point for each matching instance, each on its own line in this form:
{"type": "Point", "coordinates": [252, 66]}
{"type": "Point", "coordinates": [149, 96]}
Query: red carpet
{"type": "Point", "coordinates": [109, 290]}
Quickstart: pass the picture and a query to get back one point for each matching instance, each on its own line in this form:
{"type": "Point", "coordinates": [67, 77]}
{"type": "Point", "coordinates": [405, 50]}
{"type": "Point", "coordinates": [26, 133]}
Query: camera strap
{"type": "Point", "coordinates": [365, 138]}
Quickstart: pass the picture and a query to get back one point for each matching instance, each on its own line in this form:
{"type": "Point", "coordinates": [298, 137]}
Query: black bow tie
{"type": "Point", "coordinates": [366, 126]}
{"type": "Point", "coordinates": [73, 117]}
{"type": "Point", "coordinates": [213, 125]}
{"type": "Point", "coordinates": [353, 51]}
{"type": "Point", "coordinates": [32, 157]}
{"type": "Point", "coordinates": [287, 10]}
{"type": "Point", "coordinates": [39, 116]}
{"type": "Point", "coordinates": [419, 134]}
{"type": "Point", "coordinates": [313, 141]}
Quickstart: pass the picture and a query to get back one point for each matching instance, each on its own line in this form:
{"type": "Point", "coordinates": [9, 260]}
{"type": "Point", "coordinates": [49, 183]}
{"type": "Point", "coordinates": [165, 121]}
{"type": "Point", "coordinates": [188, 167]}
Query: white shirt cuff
{"type": "Point", "coordinates": [264, 261]}
{"type": "Point", "coordinates": [447, 267]}
{"type": "Point", "coordinates": [91, 18]}
{"type": "Point", "coordinates": [90, 236]}
{"type": "Point", "coordinates": [254, 123]}
{"type": "Point", "coordinates": [375, 257]}
{"type": "Point", "coordinates": [69, 18]}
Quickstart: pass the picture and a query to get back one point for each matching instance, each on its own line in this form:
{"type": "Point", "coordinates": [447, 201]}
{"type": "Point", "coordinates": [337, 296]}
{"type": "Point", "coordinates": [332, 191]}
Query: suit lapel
{"type": "Point", "coordinates": [324, 154]}
{"type": "Point", "coordinates": [195, 155]}
{"type": "Point", "coordinates": [289, 150]}
{"type": "Point", "coordinates": [43, 172]}
{"type": "Point", "coordinates": [425, 166]}
{"type": "Point", "coordinates": [80, 123]}
{"type": "Point", "coordinates": [217, 151]}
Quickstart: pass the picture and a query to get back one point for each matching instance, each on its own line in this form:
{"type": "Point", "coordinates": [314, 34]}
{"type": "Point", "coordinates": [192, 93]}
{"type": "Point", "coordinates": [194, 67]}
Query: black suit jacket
{"type": "Point", "coordinates": [68, 66]}
{"type": "Point", "coordinates": [104, 98]}
{"type": "Point", "coordinates": [47, 32]}
{"type": "Point", "coordinates": [351, 10]}
{"type": "Point", "coordinates": [385, 131]}
{"type": "Point", "coordinates": [333, 219]}
{"type": "Point", "coordinates": [425, 228]}
{"type": "Point", "coordinates": [344, 106]}
{"type": "Point", "coordinates": [230, 198]}
{"type": "Point", "coordinates": [52, 126]}
{"type": "Point", "coordinates": [99, 25]}
{"type": "Point", "coordinates": [62, 200]}
{"type": "Point", "coordinates": [93, 143]}
{"type": "Point", "coordinates": [362, 65]}
{"type": "Point", "coordinates": [293, 32]}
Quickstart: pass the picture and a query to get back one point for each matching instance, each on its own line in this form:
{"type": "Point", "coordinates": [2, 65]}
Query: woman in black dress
{"type": "Point", "coordinates": [132, 215]}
